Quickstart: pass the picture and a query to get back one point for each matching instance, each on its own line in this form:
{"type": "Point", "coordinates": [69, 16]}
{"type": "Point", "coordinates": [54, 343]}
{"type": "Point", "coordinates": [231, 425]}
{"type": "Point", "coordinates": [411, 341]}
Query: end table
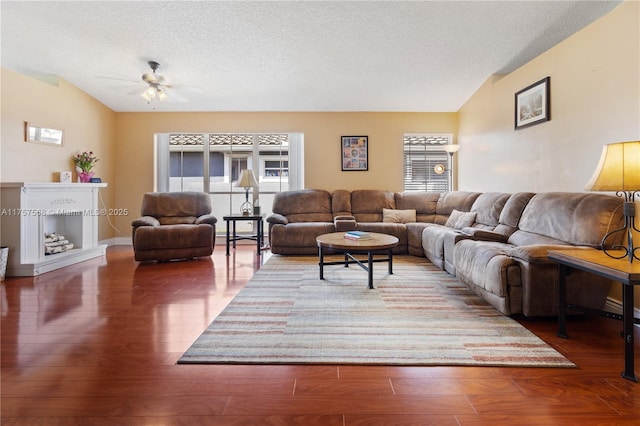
{"type": "Point", "coordinates": [232, 236]}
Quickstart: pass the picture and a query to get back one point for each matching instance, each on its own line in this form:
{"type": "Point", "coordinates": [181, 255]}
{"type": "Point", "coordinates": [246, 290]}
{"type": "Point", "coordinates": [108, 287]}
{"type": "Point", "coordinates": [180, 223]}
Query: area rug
{"type": "Point", "coordinates": [419, 315]}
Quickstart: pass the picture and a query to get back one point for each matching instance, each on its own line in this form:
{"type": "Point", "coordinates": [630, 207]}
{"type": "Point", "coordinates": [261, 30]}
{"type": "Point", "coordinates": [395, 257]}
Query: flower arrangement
{"type": "Point", "coordinates": [84, 162]}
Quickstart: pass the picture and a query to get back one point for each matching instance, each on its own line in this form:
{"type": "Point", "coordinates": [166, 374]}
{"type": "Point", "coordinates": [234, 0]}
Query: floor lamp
{"type": "Point", "coordinates": [451, 149]}
{"type": "Point", "coordinates": [619, 171]}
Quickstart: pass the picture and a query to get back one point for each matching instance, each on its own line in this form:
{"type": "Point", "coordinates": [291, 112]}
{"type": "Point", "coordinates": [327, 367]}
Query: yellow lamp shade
{"type": "Point", "coordinates": [618, 169]}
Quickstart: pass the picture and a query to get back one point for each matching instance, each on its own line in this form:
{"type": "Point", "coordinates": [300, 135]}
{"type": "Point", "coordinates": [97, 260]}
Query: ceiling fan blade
{"type": "Point", "coordinates": [149, 78]}
{"type": "Point", "coordinates": [173, 96]}
{"type": "Point", "coordinates": [137, 91]}
{"type": "Point", "coordinates": [185, 88]}
{"type": "Point", "coordinates": [128, 80]}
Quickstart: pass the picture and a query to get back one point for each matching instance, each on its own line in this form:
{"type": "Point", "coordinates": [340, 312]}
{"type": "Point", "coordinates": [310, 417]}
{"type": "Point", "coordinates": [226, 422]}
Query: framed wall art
{"type": "Point", "coordinates": [533, 104]}
{"type": "Point", "coordinates": [355, 153]}
{"type": "Point", "coordinates": [39, 134]}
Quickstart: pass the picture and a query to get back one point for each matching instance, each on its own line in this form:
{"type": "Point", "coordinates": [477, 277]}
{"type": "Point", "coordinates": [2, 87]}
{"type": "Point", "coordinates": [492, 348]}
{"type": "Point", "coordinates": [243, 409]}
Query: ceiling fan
{"type": "Point", "coordinates": [157, 87]}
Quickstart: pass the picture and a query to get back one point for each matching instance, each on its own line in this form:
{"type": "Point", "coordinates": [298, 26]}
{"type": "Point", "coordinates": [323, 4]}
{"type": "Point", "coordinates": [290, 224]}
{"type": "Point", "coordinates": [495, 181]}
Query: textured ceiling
{"type": "Point", "coordinates": [286, 56]}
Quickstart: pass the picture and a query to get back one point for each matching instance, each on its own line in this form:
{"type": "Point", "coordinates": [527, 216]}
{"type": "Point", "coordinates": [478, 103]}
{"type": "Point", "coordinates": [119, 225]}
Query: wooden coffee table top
{"type": "Point", "coordinates": [337, 241]}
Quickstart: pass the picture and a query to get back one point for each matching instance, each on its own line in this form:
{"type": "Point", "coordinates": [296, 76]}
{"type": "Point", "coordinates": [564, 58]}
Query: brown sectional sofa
{"type": "Point", "coordinates": [495, 243]}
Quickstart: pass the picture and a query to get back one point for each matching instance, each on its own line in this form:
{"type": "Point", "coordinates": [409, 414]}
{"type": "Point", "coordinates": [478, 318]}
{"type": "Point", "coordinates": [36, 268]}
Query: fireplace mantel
{"type": "Point", "coordinates": [31, 209]}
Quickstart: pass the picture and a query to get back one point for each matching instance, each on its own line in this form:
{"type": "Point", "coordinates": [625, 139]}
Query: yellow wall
{"type": "Point", "coordinates": [88, 126]}
{"type": "Point", "coordinates": [322, 131]}
{"type": "Point", "coordinates": [595, 100]}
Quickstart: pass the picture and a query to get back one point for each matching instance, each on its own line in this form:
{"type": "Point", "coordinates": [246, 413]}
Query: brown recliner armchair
{"type": "Point", "coordinates": [174, 225]}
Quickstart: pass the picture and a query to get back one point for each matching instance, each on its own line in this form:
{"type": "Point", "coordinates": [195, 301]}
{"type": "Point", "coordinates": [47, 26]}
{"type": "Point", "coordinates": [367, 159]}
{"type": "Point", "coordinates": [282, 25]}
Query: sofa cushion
{"type": "Point", "coordinates": [488, 207]}
{"type": "Point", "coordinates": [297, 237]}
{"type": "Point", "coordinates": [174, 204]}
{"type": "Point", "coordinates": [177, 220]}
{"type": "Point", "coordinates": [454, 200]}
{"type": "Point", "coordinates": [459, 220]}
{"type": "Point", "coordinates": [424, 203]}
{"type": "Point", "coordinates": [398, 230]}
{"type": "Point", "coordinates": [573, 218]}
{"type": "Point", "coordinates": [180, 236]}
{"type": "Point", "coordinates": [511, 213]}
{"type": "Point", "coordinates": [341, 203]}
{"type": "Point", "coordinates": [486, 265]}
{"type": "Point", "coordinates": [398, 216]}
{"type": "Point", "coordinates": [367, 204]}
{"type": "Point", "coordinates": [305, 205]}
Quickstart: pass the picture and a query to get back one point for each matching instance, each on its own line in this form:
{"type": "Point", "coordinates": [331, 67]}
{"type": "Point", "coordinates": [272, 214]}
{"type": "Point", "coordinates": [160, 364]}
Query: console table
{"type": "Point", "coordinates": [232, 237]}
{"type": "Point", "coordinates": [620, 270]}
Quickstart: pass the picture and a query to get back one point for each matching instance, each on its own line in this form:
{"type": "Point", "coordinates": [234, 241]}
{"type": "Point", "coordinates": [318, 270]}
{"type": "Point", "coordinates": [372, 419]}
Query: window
{"type": "Point", "coordinates": [276, 160]}
{"type": "Point", "coordinates": [275, 168]}
{"type": "Point", "coordinates": [427, 167]}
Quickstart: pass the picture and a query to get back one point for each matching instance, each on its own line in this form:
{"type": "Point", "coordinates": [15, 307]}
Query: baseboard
{"type": "Point", "coordinates": [615, 306]}
{"type": "Point", "coordinates": [117, 241]}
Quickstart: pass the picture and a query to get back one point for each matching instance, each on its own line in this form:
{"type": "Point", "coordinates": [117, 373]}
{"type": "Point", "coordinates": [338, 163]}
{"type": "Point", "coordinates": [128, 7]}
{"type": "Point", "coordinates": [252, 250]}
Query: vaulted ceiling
{"type": "Point", "coordinates": [285, 55]}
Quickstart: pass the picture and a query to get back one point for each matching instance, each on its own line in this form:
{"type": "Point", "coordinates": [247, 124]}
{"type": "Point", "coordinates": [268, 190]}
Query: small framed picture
{"type": "Point", "coordinates": [533, 104]}
{"type": "Point", "coordinates": [65, 176]}
{"type": "Point", "coordinates": [355, 153]}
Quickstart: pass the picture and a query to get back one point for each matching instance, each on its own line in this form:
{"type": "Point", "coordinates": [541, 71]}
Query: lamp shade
{"type": "Point", "coordinates": [618, 169]}
{"type": "Point", "coordinates": [451, 149]}
{"type": "Point", "coordinates": [247, 179]}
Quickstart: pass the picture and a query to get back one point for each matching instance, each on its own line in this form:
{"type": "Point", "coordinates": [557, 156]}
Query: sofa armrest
{"type": "Point", "coordinates": [145, 221]}
{"type": "Point", "coordinates": [344, 223]}
{"type": "Point", "coordinates": [536, 253]}
{"type": "Point", "coordinates": [277, 218]}
{"type": "Point", "coordinates": [207, 219]}
{"type": "Point", "coordinates": [484, 235]}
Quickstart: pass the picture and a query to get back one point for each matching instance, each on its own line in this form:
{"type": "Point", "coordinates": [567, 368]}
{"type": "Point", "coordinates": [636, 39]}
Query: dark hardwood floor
{"type": "Point", "coordinates": [97, 344]}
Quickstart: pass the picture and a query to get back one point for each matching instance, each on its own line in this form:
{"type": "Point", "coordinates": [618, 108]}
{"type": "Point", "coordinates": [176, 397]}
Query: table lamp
{"type": "Point", "coordinates": [247, 180]}
{"type": "Point", "coordinates": [619, 171]}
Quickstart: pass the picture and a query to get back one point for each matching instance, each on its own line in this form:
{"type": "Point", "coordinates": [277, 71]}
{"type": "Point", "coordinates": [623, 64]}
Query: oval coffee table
{"type": "Point", "coordinates": [336, 242]}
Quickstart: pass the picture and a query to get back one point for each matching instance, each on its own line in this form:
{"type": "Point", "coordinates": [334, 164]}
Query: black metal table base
{"type": "Point", "coordinates": [627, 318]}
{"type": "Point", "coordinates": [350, 259]}
{"type": "Point", "coordinates": [232, 236]}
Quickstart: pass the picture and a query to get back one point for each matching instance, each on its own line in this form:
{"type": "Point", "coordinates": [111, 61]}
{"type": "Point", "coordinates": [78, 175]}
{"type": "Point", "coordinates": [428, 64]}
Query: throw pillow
{"type": "Point", "coordinates": [459, 220]}
{"type": "Point", "coordinates": [398, 216]}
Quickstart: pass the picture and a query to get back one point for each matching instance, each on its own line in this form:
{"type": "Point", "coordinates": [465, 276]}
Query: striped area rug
{"type": "Point", "coordinates": [420, 315]}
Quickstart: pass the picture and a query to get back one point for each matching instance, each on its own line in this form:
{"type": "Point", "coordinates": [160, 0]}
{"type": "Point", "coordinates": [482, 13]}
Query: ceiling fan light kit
{"type": "Point", "coordinates": [155, 83]}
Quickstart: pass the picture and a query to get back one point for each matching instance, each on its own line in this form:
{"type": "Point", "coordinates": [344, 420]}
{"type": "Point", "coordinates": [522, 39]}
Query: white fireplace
{"type": "Point", "coordinates": [29, 210]}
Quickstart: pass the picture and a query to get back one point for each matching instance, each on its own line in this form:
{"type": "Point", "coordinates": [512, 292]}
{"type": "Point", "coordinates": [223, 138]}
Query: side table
{"type": "Point", "coordinates": [620, 270]}
{"type": "Point", "coordinates": [232, 236]}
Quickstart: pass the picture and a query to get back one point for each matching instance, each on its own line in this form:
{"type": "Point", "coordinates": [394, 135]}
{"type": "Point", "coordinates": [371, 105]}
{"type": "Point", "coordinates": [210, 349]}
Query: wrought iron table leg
{"type": "Point", "coordinates": [370, 270]}
{"type": "Point", "coordinates": [627, 312]}
{"type": "Point", "coordinates": [259, 236]}
{"type": "Point", "coordinates": [321, 263]}
{"type": "Point", "coordinates": [562, 301]}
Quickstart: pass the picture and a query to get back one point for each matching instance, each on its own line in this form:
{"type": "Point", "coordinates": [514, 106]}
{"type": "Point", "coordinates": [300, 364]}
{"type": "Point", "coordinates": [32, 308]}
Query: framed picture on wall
{"type": "Point", "coordinates": [355, 153]}
{"type": "Point", "coordinates": [533, 104]}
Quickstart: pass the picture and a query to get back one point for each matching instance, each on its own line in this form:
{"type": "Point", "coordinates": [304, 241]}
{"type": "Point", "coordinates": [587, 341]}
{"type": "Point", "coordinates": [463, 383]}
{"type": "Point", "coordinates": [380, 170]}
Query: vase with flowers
{"type": "Point", "coordinates": [84, 162]}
